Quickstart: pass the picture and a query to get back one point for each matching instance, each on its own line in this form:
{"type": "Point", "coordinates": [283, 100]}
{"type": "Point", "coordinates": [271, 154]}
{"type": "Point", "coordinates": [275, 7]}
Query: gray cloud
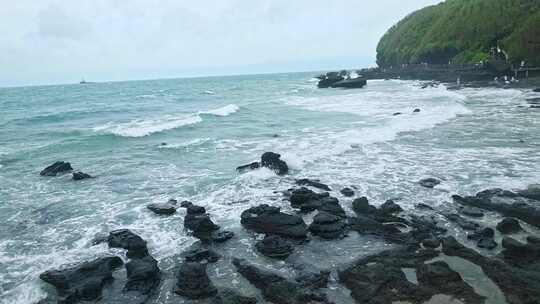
{"type": "Point", "coordinates": [55, 41]}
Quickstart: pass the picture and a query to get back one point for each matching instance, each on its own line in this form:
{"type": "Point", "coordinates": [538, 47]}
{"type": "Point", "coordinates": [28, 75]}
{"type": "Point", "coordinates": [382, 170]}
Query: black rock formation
{"type": "Point", "coordinates": [83, 282]}
{"type": "Point", "coordinates": [270, 220]}
{"type": "Point", "coordinates": [58, 167]}
{"type": "Point", "coordinates": [193, 282]}
{"type": "Point", "coordinates": [274, 246]}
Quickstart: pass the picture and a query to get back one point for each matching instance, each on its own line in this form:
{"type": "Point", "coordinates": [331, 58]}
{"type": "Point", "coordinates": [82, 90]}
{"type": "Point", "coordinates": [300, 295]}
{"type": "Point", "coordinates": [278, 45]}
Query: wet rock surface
{"type": "Point", "coordinates": [269, 160]}
{"type": "Point", "coordinates": [277, 289]}
{"type": "Point", "coordinates": [275, 247]}
{"type": "Point", "coordinates": [313, 183]}
{"type": "Point", "coordinates": [167, 208]}
{"type": "Point", "coordinates": [328, 226]}
{"type": "Point", "coordinates": [83, 282]}
{"type": "Point", "coordinates": [270, 220]}
{"type": "Point", "coordinates": [193, 282]}
{"type": "Point", "coordinates": [57, 168]}
{"type": "Point", "coordinates": [348, 192]}
{"type": "Point", "coordinates": [509, 225]}
{"type": "Point", "coordinates": [509, 204]}
{"type": "Point", "coordinates": [80, 176]}
{"type": "Point", "coordinates": [307, 201]}
{"type": "Point", "coordinates": [143, 275]}
{"type": "Point", "coordinates": [429, 182]}
{"type": "Point", "coordinates": [126, 239]}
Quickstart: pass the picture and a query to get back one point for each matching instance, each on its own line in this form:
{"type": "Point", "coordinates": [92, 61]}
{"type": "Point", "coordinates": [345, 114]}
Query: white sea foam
{"type": "Point", "coordinates": [223, 111]}
{"type": "Point", "coordinates": [190, 143]}
{"type": "Point", "coordinates": [141, 128]}
{"type": "Point", "coordinates": [145, 127]}
{"type": "Point", "coordinates": [209, 92]}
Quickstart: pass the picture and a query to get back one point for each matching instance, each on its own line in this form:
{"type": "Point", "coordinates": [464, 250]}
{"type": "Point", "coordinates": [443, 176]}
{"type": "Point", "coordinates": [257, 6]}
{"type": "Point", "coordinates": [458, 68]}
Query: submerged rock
{"type": "Point", "coordinates": [429, 182]}
{"type": "Point", "coordinates": [193, 282]}
{"type": "Point", "coordinates": [275, 247]}
{"type": "Point", "coordinates": [532, 192]}
{"type": "Point", "coordinates": [272, 161]}
{"type": "Point", "coordinates": [348, 192]}
{"type": "Point", "coordinates": [509, 225]}
{"type": "Point", "coordinates": [83, 282]}
{"type": "Point", "coordinates": [167, 208]}
{"type": "Point", "coordinates": [201, 254]}
{"type": "Point", "coordinates": [58, 167]}
{"type": "Point", "coordinates": [519, 282]}
{"type": "Point", "coordinates": [416, 111]}
{"type": "Point", "coordinates": [126, 239]}
{"type": "Point", "coordinates": [313, 183]}
{"type": "Point", "coordinates": [462, 222]}
{"type": "Point", "coordinates": [230, 296]}
{"type": "Point", "coordinates": [328, 226]}
{"type": "Point", "coordinates": [143, 275]}
{"type": "Point", "coordinates": [252, 166]}
{"type": "Point", "coordinates": [277, 289]}
{"type": "Point", "coordinates": [270, 220]}
{"type": "Point", "coordinates": [81, 175]}
{"type": "Point", "coordinates": [472, 212]}
{"type": "Point", "coordinates": [380, 278]}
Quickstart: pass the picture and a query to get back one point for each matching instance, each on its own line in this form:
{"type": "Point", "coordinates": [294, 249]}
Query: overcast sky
{"type": "Point", "coordinates": [60, 41]}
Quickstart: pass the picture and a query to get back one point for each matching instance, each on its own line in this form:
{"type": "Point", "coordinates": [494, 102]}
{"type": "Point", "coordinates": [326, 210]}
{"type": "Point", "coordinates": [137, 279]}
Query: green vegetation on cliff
{"type": "Point", "coordinates": [463, 31]}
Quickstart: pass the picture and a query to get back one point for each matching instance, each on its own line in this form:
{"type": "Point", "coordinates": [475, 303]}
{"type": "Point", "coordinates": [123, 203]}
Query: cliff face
{"type": "Point", "coordinates": [464, 31]}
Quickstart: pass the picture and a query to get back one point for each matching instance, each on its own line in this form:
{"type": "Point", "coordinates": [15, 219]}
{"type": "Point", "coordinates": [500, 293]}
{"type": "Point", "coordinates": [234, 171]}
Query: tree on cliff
{"type": "Point", "coordinates": [464, 31]}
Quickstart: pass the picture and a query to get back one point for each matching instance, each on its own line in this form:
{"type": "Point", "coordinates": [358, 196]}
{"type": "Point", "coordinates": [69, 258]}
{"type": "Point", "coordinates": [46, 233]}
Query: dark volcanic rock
{"type": "Point", "coordinates": [272, 161]}
{"type": "Point", "coordinates": [429, 182]}
{"type": "Point", "coordinates": [380, 279]}
{"type": "Point", "coordinates": [143, 275]}
{"type": "Point", "coordinates": [520, 283]}
{"type": "Point", "coordinates": [81, 176]}
{"type": "Point", "coordinates": [487, 243]}
{"type": "Point", "coordinates": [390, 207]}
{"type": "Point", "coordinates": [440, 278]}
{"type": "Point", "coordinates": [275, 247]}
{"type": "Point", "coordinates": [397, 113]}
{"type": "Point", "coordinates": [230, 296]}
{"type": "Point", "coordinates": [354, 83]}
{"type": "Point", "coordinates": [277, 289]}
{"type": "Point", "coordinates": [461, 222]}
{"type": "Point", "coordinates": [431, 243]}
{"type": "Point", "coordinates": [269, 220]}
{"type": "Point", "coordinates": [416, 111]}
{"type": "Point", "coordinates": [509, 225]}
{"type": "Point", "coordinates": [347, 192]}
{"type": "Point", "coordinates": [193, 282]}
{"type": "Point", "coordinates": [163, 208]}
{"type": "Point", "coordinates": [307, 201]}
{"type": "Point", "coordinates": [532, 192]}
{"type": "Point", "coordinates": [537, 90]}
{"type": "Point", "coordinates": [483, 233]}
{"type": "Point", "coordinates": [201, 254]}
{"type": "Point", "coordinates": [328, 226]}
{"type": "Point", "coordinates": [506, 203]}
{"type": "Point", "coordinates": [83, 282]}
{"type": "Point", "coordinates": [124, 238]}
{"type": "Point", "coordinates": [252, 166]}
{"type": "Point", "coordinates": [203, 228]}
{"type": "Point", "coordinates": [312, 183]}
{"type": "Point", "coordinates": [361, 206]}
{"type": "Point", "coordinates": [472, 212]}
{"type": "Point", "coordinates": [328, 79]}
{"type": "Point", "coordinates": [58, 167]}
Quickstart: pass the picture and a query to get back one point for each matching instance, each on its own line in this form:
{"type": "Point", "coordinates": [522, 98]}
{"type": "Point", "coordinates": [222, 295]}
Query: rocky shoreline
{"type": "Point", "coordinates": [416, 262]}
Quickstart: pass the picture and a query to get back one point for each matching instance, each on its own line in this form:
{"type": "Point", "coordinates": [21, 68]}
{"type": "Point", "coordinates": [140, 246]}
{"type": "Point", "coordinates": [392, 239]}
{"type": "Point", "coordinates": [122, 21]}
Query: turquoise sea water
{"type": "Point", "coordinates": [148, 141]}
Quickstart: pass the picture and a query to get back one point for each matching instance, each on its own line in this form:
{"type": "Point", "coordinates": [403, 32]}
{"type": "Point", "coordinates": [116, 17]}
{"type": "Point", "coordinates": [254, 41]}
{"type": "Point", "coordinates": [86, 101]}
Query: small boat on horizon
{"type": "Point", "coordinates": [83, 81]}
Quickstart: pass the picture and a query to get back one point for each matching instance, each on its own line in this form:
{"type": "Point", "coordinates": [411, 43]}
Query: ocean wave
{"type": "Point", "coordinates": [141, 128]}
{"type": "Point", "coordinates": [223, 111]}
{"type": "Point", "coordinates": [190, 143]}
{"type": "Point", "coordinates": [145, 127]}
